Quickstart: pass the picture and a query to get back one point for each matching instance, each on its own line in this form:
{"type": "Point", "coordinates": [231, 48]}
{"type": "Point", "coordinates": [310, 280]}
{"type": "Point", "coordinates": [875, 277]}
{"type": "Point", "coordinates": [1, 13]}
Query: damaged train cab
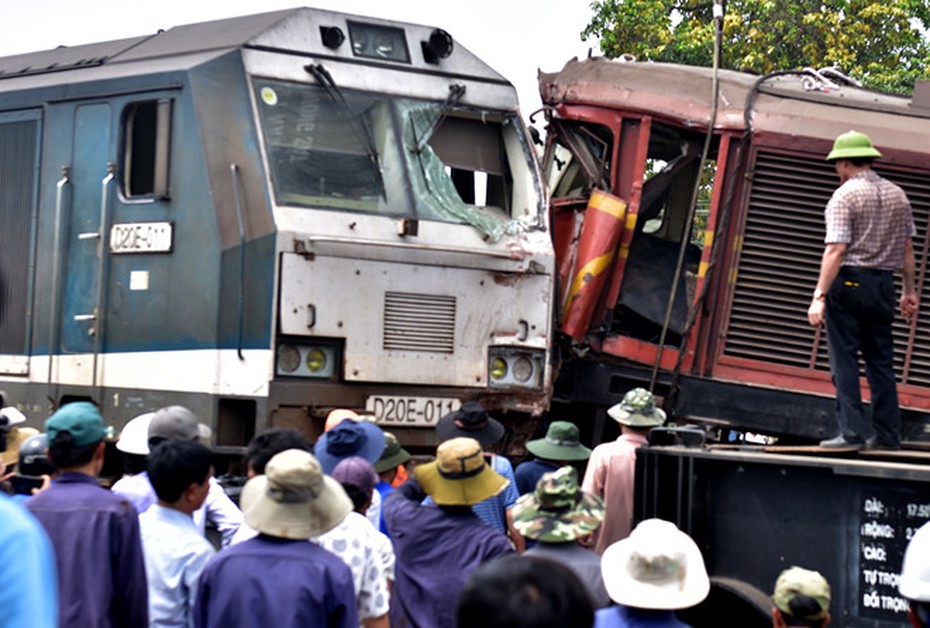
{"type": "Point", "coordinates": [687, 211]}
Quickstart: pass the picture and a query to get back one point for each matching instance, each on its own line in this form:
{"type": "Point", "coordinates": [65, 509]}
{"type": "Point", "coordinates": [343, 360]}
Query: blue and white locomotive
{"type": "Point", "coordinates": [266, 217]}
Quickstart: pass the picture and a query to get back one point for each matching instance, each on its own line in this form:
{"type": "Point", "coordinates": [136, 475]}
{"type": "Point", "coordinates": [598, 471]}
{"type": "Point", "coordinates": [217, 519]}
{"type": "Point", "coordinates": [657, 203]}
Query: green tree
{"type": "Point", "coordinates": [882, 43]}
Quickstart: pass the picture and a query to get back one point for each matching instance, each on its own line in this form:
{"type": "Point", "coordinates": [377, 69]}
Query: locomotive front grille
{"type": "Point", "coordinates": [419, 322]}
{"type": "Point", "coordinates": [780, 260]}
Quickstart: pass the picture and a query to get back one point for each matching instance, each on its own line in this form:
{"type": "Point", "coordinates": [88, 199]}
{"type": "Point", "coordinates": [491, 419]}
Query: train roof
{"type": "Point", "coordinates": [783, 104]}
{"type": "Point", "coordinates": [294, 31]}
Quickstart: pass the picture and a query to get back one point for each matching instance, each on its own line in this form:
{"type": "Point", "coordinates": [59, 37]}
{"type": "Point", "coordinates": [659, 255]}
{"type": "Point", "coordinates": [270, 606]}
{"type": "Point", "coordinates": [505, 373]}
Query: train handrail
{"type": "Point", "coordinates": [56, 263]}
{"type": "Point", "coordinates": [234, 172]}
{"type": "Point", "coordinates": [100, 309]}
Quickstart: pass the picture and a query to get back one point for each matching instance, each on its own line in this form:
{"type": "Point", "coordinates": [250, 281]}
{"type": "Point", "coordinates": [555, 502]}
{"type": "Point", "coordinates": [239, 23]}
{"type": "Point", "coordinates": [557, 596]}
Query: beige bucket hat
{"type": "Point", "coordinates": [294, 499]}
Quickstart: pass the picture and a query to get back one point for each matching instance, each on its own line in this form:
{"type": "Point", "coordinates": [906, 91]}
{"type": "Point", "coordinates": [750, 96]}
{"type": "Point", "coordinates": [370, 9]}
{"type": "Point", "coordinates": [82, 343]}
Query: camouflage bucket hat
{"type": "Point", "coordinates": [558, 510]}
{"type": "Point", "coordinates": [638, 409]}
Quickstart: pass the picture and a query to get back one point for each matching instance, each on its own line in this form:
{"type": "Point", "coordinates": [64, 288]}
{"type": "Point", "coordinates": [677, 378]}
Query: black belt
{"type": "Point", "coordinates": [862, 270]}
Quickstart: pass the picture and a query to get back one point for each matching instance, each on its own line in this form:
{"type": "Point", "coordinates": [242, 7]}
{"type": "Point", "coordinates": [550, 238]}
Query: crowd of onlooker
{"type": "Point", "coordinates": [460, 538]}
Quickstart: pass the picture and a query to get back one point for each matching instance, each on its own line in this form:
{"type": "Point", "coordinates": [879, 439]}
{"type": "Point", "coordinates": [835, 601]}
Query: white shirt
{"type": "Point", "coordinates": [137, 489]}
{"type": "Point", "coordinates": [217, 508]}
{"type": "Point", "coordinates": [220, 511]}
{"type": "Point", "coordinates": [175, 554]}
{"type": "Point", "coordinates": [357, 543]}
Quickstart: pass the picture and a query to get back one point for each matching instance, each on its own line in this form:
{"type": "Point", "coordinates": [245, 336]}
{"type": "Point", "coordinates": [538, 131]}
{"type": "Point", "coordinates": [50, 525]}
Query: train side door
{"type": "Point", "coordinates": [84, 195]}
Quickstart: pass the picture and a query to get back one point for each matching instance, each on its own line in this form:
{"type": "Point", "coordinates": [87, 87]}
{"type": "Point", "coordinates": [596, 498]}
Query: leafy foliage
{"type": "Point", "coordinates": [883, 43]}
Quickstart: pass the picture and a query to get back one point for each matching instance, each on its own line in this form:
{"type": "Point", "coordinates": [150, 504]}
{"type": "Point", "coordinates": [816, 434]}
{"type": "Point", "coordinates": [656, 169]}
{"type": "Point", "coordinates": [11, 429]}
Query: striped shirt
{"type": "Point", "coordinates": [873, 217]}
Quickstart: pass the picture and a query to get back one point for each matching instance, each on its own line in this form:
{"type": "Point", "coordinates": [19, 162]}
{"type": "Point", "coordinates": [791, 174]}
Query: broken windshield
{"type": "Point", "coordinates": [438, 164]}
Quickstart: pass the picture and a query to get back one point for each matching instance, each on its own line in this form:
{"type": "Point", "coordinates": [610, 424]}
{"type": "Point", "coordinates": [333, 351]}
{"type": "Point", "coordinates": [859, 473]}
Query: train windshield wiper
{"type": "Point", "coordinates": [358, 124]}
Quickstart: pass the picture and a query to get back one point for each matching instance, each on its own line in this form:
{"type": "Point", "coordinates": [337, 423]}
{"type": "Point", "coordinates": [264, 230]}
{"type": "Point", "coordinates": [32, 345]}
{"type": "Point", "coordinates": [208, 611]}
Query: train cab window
{"type": "Point", "coordinates": [146, 132]}
{"type": "Point", "coordinates": [580, 160]}
{"type": "Point", "coordinates": [370, 153]}
{"type": "Point", "coordinates": [670, 175]}
{"type": "Point", "coordinates": [338, 153]}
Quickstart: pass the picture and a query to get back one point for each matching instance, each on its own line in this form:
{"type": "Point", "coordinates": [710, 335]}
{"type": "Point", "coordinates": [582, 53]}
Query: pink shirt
{"type": "Point", "coordinates": [610, 476]}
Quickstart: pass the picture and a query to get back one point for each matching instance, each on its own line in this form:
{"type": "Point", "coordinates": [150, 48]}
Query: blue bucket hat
{"type": "Point", "coordinates": [349, 438]}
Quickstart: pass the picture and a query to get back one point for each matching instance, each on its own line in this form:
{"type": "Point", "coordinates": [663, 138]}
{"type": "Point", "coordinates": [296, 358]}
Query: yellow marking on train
{"type": "Point", "coordinates": [609, 205]}
{"type": "Point", "coordinates": [590, 270]}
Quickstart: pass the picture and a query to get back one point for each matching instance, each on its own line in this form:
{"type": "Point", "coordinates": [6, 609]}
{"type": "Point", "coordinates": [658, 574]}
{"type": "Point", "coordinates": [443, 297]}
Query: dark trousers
{"type": "Point", "coordinates": [860, 311]}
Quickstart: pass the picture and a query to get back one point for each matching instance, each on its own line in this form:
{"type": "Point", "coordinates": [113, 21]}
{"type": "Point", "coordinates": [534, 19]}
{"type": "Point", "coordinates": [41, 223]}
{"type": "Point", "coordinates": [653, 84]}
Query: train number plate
{"type": "Point", "coordinates": [141, 237]}
{"type": "Point", "coordinates": [413, 411]}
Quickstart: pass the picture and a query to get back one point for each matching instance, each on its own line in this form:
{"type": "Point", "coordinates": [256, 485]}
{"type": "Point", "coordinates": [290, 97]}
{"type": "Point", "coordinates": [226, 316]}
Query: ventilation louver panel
{"type": "Point", "coordinates": [419, 322]}
{"type": "Point", "coordinates": [18, 146]}
{"type": "Point", "coordinates": [780, 261]}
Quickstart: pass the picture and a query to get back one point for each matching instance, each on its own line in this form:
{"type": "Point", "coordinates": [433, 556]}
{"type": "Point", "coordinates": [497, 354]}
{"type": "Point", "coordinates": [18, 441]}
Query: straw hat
{"type": "Point", "coordinates": [14, 440]}
{"type": "Point", "coordinates": [294, 499]}
{"type": "Point", "coordinates": [459, 476]}
{"type": "Point", "coordinates": [657, 567]}
{"type": "Point", "coordinates": [558, 510]}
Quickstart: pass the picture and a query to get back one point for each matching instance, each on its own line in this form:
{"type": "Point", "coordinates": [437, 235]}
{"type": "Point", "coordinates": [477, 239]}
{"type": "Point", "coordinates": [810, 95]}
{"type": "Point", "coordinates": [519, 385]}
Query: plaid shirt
{"type": "Point", "coordinates": [873, 217]}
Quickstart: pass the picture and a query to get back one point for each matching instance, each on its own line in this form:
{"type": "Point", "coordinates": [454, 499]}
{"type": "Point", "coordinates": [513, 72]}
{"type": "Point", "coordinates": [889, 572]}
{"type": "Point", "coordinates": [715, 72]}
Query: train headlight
{"type": "Point", "coordinates": [498, 369]}
{"type": "Point", "coordinates": [522, 369]}
{"type": "Point", "coordinates": [316, 359]}
{"type": "Point", "coordinates": [288, 358]}
{"type": "Point", "coordinates": [510, 367]}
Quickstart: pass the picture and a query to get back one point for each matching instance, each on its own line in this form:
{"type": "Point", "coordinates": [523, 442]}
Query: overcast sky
{"type": "Point", "coordinates": [516, 37]}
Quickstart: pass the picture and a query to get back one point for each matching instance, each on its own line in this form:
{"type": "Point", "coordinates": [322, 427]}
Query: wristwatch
{"type": "Point", "coordinates": [819, 294]}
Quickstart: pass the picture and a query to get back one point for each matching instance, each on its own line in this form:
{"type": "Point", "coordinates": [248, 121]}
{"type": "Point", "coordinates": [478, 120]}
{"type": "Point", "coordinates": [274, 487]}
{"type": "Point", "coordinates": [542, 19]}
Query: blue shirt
{"type": "Point", "coordinates": [268, 581]}
{"type": "Point", "coordinates": [584, 562]}
{"type": "Point", "coordinates": [95, 534]}
{"type": "Point", "coordinates": [627, 617]}
{"type": "Point", "coordinates": [29, 593]}
{"type": "Point", "coordinates": [384, 489]}
{"type": "Point", "coordinates": [175, 555]}
{"type": "Point", "coordinates": [493, 510]}
{"type": "Point", "coordinates": [437, 548]}
{"type": "Point", "coordinates": [528, 473]}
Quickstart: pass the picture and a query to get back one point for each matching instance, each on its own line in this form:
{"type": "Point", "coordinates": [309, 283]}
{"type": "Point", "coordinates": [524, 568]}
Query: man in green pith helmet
{"type": "Point", "coordinates": [870, 227]}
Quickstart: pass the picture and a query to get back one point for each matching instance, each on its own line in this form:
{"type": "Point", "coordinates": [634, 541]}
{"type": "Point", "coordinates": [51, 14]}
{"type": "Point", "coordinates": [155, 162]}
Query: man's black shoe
{"type": "Point", "coordinates": [873, 444]}
{"type": "Point", "coordinates": [840, 442]}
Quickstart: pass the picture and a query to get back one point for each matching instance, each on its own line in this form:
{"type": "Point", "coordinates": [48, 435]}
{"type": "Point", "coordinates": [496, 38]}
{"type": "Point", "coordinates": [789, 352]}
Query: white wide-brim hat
{"type": "Point", "coordinates": [294, 499]}
{"type": "Point", "coordinates": [657, 567]}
